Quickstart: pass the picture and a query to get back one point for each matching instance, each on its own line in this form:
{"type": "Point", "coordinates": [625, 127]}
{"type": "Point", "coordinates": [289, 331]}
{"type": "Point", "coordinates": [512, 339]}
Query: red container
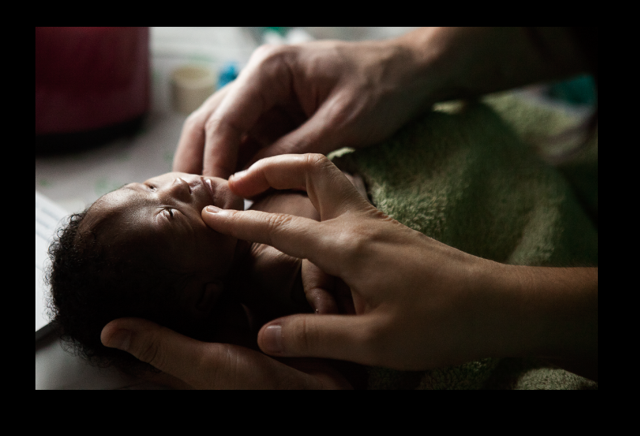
{"type": "Point", "coordinates": [92, 84]}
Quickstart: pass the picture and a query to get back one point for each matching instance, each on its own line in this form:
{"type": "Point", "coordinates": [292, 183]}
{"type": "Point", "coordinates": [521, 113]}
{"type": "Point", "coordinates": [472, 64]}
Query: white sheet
{"type": "Point", "coordinates": [48, 217]}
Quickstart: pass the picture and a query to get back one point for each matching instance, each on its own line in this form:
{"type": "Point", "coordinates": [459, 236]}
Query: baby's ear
{"type": "Point", "coordinates": [209, 294]}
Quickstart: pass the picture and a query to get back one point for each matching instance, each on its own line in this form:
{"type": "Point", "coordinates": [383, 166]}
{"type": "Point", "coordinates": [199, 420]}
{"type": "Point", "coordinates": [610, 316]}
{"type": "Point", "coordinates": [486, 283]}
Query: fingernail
{"type": "Point", "coordinates": [120, 340]}
{"type": "Point", "coordinates": [239, 174]}
{"type": "Point", "coordinates": [272, 339]}
{"type": "Point", "coordinates": [212, 209]}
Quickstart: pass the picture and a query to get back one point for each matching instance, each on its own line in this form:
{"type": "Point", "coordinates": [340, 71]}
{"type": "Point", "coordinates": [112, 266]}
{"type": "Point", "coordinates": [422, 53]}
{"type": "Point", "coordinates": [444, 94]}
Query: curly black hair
{"type": "Point", "coordinates": [93, 283]}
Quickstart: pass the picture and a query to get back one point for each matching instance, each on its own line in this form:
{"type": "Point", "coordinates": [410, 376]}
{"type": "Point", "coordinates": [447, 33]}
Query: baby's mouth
{"type": "Point", "coordinates": [209, 186]}
{"type": "Point", "coordinates": [223, 199]}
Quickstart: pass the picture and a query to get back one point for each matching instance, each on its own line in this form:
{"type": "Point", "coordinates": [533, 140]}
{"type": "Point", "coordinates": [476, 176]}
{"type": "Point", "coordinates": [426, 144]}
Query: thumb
{"type": "Point", "coordinates": [343, 337]}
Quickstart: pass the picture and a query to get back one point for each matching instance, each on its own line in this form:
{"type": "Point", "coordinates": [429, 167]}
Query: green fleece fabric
{"type": "Point", "coordinates": [465, 174]}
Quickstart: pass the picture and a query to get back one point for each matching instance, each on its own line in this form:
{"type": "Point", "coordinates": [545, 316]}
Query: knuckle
{"type": "Point", "coordinates": [223, 367]}
{"type": "Point", "coordinates": [273, 62]}
{"type": "Point", "coordinates": [220, 123]}
{"type": "Point", "coordinates": [317, 163]}
{"type": "Point", "coordinates": [149, 351]}
{"type": "Point", "coordinates": [315, 160]}
{"type": "Point", "coordinates": [193, 120]}
{"type": "Point", "coordinates": [267, 52]}
{"type": "Point", "coordinates": [193, 126]}
{"type": "Point", "coordinates": [371, 347]}
{"type": "Point", "coordinates": [276, 222]}
{"type": "Point", "coordinates": [355, 247]}
{"type": "Point", "coordinates": [354, 242]}
{"type": "Point", "coordinates": [212, 123]}
{"type": "Point", "coordinates": [305, 336]}
{"type": "Point", "coordinates": [235, 221]}
{"type": "Point", "coordinates": [374, 341]}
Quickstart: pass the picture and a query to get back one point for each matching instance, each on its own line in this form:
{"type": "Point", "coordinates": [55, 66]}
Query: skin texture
{"type": "Point", "coordinates": [419, 304]}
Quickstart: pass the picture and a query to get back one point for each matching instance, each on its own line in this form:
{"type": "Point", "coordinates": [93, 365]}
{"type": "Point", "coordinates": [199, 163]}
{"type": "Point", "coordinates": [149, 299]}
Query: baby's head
{"type": "Point", "coordinates": [141, 251]}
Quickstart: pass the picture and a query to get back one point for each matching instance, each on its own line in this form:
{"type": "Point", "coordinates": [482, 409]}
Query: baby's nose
{"type": "Point", "coordinates": [180, 189]}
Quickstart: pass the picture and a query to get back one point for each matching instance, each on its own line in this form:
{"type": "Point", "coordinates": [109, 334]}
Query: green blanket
{"type": "Point", "coordinates": [466, 175]}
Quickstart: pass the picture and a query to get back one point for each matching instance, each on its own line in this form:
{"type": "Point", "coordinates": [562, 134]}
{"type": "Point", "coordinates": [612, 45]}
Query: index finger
{"type": "Point", "coordinates": [190, 151]}
{"type": "Point", "coordinates": [259, 87]}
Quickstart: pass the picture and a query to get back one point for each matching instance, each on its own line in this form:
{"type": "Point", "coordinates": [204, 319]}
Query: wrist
{"type": "Point", "coordinates": [410, 64]}
{"type": "Point", "coordinates": [438, 61]}
{"type": "Point", "coordinates": [498, 327]}
{"type": "Point", "coordinates": [544, 312]}
{"type": "Point", "coordinates": [465, 62]}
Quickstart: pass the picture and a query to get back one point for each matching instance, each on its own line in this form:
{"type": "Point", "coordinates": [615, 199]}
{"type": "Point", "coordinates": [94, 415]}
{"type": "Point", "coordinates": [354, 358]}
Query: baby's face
{"type": "Point", "coordinates": [164, 215]}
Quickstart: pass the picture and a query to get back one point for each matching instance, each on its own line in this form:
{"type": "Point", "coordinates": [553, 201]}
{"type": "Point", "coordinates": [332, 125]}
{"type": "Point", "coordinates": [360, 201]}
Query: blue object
{"type": "Point", "coordinates": [228, 73]}
{"type": "Point", "coordinates": [578, 91]}
{"type": "Point", "coordinates": [281, 30]}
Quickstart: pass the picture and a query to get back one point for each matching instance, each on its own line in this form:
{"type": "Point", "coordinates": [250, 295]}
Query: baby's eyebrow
{"type": "Point", "coordinates": [135, 189]}
{"type": "Point", "coordinates": [141, 193]}
{"type": "Point", "coordinates": [132, 187]}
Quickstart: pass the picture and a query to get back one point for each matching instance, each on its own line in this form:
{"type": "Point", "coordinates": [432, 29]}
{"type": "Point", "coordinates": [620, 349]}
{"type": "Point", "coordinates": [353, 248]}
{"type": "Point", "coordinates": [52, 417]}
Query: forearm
{"type": "Point", "coordinates": [460, 62]}
{"type": "Point", "coordinates": [550, 313]}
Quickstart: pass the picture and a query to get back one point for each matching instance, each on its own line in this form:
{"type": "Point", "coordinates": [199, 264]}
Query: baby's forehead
{"type": "Point", "coordinates": [121, 213]}
{"type": "Point", "coordinates": [122, 200]}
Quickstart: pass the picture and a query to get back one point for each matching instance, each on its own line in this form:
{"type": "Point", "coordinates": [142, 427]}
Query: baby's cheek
{"type": "Point", "coordinates": [222, 248]}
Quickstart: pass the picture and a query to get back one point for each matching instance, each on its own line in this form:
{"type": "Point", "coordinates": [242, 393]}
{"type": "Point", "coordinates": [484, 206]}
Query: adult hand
{"type": "Point", "coordinates": [323, 95]}
{"type": "Point", "coordinates": [312, 97]}
{"type": "Point", "coordinates": [419, 303]}
{"type": "Point", "coordinates": [187, 363]}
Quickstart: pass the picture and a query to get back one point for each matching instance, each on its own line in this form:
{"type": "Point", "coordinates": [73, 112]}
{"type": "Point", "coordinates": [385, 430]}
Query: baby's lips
{"type": "Point", "coordinates": [209, 185]}
{"type": "Point", "coordinates": [220, 194]}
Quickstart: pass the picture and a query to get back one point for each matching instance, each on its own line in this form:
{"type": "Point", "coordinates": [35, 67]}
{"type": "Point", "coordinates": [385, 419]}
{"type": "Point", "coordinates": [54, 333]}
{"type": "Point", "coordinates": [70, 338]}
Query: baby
{"type": "Point", "coordinates": [144, 251]}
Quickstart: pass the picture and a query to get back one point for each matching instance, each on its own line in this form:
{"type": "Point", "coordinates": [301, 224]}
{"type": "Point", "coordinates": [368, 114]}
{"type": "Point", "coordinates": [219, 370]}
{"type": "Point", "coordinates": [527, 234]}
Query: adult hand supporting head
{"type": "Point", "coordinates": [416, 299]}
{"type": "Point", "coordinates": [312, 97]}
{"type": "Point", "coordinates": [204, 365]}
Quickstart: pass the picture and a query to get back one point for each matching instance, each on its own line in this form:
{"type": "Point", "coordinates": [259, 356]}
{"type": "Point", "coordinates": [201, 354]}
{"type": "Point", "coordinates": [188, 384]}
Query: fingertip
{"type": "Point", "coordinates": [270, 339]}
{"type": "Point", "coordinates": [236, 178]}
{"type": "Point", "coordinates": [113, 335]}
{"type": "Point", "coordinates": [310, 335]}
{"type": "Point", "coordinates": [238, 175]}
{"type": "Point", "coordinates": [210, 215]}
{"type": "Point", "coordinates": [211, 209]}
{"type": "Point", "coordinates": [120, 339]}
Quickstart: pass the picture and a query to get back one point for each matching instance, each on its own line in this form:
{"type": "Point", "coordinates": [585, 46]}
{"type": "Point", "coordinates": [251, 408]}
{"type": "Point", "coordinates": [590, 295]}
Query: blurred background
{"type": "Point", "coordinates": [114, 87]}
